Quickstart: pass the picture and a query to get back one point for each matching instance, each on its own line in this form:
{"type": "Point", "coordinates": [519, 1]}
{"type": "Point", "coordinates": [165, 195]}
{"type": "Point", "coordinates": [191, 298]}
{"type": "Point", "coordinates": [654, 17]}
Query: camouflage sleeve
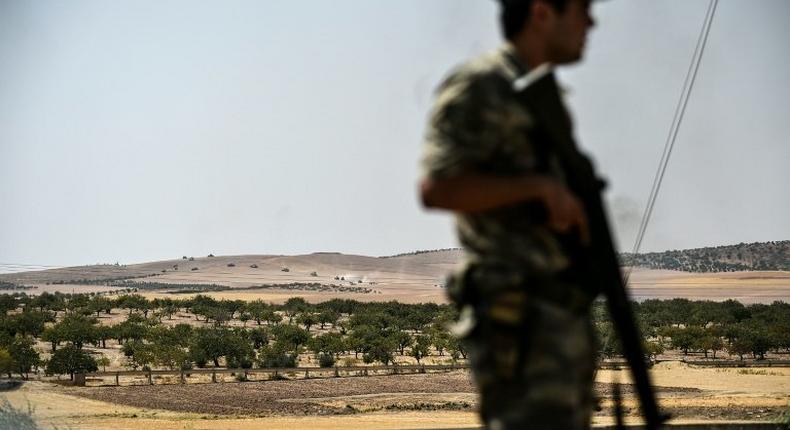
{"type": "Point", "coordinates": [463, 131]}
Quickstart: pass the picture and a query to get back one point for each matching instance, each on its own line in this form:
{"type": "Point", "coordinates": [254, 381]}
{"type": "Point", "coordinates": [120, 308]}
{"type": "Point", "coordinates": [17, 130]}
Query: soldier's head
{"type": "Point", "coordinates": [556, 27]}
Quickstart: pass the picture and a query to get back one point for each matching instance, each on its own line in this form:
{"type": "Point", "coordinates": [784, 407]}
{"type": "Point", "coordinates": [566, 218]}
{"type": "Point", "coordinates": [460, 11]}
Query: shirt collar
{"type": "Point", "coordinates": [510, 55]}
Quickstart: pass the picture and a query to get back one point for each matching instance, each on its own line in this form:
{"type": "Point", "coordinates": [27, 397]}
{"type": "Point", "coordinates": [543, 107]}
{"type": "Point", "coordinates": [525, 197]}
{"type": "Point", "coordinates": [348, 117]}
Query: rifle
{"type": "Point", "coordinates": [597, 262]}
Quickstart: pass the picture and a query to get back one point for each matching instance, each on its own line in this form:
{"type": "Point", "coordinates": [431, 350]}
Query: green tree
{"type": "Point", "coordinates": [7, 364]}
{"type": "Point", "coordinates": [361, 338]}
{"type": "Point", "coordinates": [276, 356]}
{"type": "Point", "coordinates": [291, 337]}
{"type": "Point", "coordinates": [53, 336]}
{"type": "Point", "coordinates": [70, 360]}
{"type": "Point", "coordinates": [31, 323]}
{"type": "Point", "coordinates": [168, 346]}
{"type": "Point", "coordinates": [652, 349]}
{"type": "Point", "coordinates": [102, 334]}
{"type": "Point", "coordinates": [48, 301]}
{"type": "Point", "coordinates": [687, 338]}
{"type": "Point", "coordinates": [376, 319]}
{"type": "Point", "coordinates": [307, 319]}
{"type": "Point", "coordinates": [709, 342]}
{"type": "Point", "coordinates": [201, 305]}
{"type": "Point", "coordinates": [232, 306]}
{"type": "Point", "coordinates": [259, 337]}
{"type": "Point", "coordinates": [139, 353]}
{"type": "Point", "coordinates": [381, 349]}
{"type": "Point", "coordinates": [7, 303]}
{"type": "Point", "coordinates": [421, 348]}
{"type": "Point", "coordinates": [215, 343]}
{"type": "Point", "coordinates": [134, 303]}
{"type": "Point", "coordinates": [272, 318]}
{"type": "Point", "coordinates": [331, 344]}
{"type": "Point", "coordinates": [440, 338]}
{"type": "Point", "coordinates": [403, 340]}
{"type": "Point", "coordinates": [103, 361]}
{"type": "Point", "coordinates": [166, 307]}
{"type": "Point", "coordinates": [739, 346]}
{"type": "Point", "coordinates": [100, 304]}
{"type": "Point", "coordinates": [257, 310]}
{"type": "Point", "coordinates": [77, 329]}
{"type": "Point", "coordinates": [456, 348]}
{"type": "Point", "coordinates": [294, 306]}
{"type": "Point", "coordinates": [134, 328]}
{"type": "Point", "coordinates": [328, 316]}
{"type": "Point", "coordinates": [24, 355]}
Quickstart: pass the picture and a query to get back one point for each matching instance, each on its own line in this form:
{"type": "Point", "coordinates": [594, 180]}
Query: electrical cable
{"type": "Point", "coordinates": [680, 110]}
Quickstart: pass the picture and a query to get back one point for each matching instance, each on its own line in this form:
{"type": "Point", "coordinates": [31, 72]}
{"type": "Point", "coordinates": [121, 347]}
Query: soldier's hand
{"type": "Point", "coordinates": [565, 211]}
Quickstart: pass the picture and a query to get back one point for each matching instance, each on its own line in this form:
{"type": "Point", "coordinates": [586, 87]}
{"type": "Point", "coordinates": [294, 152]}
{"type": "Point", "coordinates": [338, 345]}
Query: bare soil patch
{"type": "Point", "coordinates": [688, 393]}
{"type": "Point", "coordinates": [448, 400]}
{"type": "Point", "coordinates": [299, 397]}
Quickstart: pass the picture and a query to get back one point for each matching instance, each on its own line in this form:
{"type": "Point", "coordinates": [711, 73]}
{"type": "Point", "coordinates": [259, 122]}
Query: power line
{"type": "Point", "coordinates": [677, 120]}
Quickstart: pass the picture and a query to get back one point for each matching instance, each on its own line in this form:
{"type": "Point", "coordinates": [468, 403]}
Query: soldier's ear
{"type": "Point", "coordinates": [542, 14]}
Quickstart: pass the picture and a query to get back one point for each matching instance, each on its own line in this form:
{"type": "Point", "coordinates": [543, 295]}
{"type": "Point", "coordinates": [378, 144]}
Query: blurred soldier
{"type": "Point", "coordinates": [524, 306]}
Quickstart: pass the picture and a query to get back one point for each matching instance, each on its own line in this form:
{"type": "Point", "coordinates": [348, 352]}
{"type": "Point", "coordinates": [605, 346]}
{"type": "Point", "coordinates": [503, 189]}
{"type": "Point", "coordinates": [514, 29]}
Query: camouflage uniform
{"type": "Point", "coordinates": [525, 318]}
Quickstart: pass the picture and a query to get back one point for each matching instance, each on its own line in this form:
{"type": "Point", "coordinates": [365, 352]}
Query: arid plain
{"type": "Point", "coordinates": [413, 278]}
{"type": "Point", "coordinates": [380, 402]}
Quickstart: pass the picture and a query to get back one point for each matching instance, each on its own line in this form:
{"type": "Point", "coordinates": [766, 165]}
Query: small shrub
{"type": "Point", "coordinates": [313, 273]}
{"type": "Point", "coordinates": [242, 363]}
{"type": "Point", "coordinates": [326, 360]}
{"type": "Point", "coordinates": [285, 269]}
{"type": "Point", "coordinates": [270, 358]}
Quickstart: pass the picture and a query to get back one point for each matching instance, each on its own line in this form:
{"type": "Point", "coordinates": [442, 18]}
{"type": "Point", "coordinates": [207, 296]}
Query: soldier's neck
{"type": "Point", "coordinates": [532, 51]}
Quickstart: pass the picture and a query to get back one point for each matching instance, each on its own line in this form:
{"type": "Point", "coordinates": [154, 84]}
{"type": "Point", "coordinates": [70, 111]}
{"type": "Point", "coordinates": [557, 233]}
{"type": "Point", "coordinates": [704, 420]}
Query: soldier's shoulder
{"type": "Point", "coordinates": [487, 72]}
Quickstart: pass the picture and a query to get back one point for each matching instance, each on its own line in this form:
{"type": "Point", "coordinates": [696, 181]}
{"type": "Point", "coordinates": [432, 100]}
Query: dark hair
{"type": "Point", "coordinates": [515, 13]}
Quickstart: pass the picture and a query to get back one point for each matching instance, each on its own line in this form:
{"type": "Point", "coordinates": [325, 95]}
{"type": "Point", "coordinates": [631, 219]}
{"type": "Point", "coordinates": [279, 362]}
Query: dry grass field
{"type": "Point", "coordinates": [384, 402]}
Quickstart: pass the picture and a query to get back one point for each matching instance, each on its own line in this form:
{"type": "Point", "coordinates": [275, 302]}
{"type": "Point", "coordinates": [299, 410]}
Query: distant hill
{"type": "Point", "coordinates": [756, 256]}
{"type": "Point", "coordinates": [426, 268]}
{"type": "Point", "coordinates": [425, 251]}
{"type": "Point", "coordinates": [729, 258]}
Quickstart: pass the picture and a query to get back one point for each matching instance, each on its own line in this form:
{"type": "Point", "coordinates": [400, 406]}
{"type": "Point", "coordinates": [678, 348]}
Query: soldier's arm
{"type": "Point", "coordinates": [465, 130]}
{"type": "Point", "coordinates": [471, 192]}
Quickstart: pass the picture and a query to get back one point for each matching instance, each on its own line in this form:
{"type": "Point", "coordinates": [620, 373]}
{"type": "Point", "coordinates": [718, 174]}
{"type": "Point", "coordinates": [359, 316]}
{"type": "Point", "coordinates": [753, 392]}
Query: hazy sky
{"type": "Point", "coordinates": [143, 130]}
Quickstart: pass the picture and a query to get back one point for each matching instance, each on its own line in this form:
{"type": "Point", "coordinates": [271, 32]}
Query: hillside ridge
{"type": "Point", "coordinates": [757, 256]}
